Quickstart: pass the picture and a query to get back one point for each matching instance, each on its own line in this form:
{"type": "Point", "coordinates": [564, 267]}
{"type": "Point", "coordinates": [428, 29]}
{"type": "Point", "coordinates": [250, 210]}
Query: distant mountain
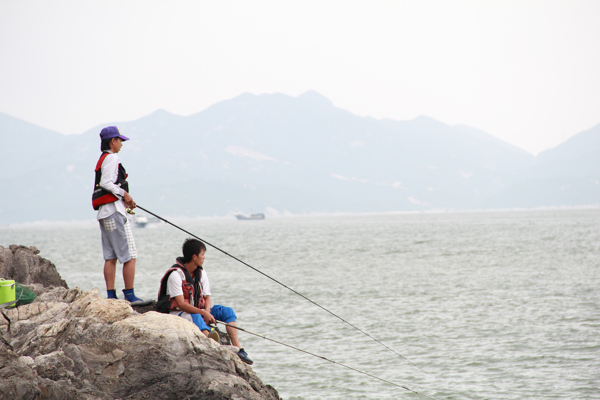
{"type": "Point", "coordinates": [300, 154]}
{"type": "Point", "coordinates": [568, 174]}
{"type": "Point", "coordinates": [21, 139]}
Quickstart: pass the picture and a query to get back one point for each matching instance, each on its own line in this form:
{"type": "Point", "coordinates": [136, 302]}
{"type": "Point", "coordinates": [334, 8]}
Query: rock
{"type": "Point", "coordinates": [70, 344]}
{"type": "Point", "coordinates": [17, 379]}
{"type": "Point", "coordinates": [223, 336]}
{"type": "Point", "coordinates": [97, 348]}
{"type": "Point", "coordinates": [24, 265]}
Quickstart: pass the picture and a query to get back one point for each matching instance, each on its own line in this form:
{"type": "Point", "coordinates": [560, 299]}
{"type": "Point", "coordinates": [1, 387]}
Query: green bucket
{"type": "Point", "coordinates": [7, 293]}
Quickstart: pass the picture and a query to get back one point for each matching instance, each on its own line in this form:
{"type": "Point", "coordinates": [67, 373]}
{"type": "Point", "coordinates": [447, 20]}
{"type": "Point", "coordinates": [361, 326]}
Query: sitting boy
{"type": "Point", "coordinates": [185, 291]}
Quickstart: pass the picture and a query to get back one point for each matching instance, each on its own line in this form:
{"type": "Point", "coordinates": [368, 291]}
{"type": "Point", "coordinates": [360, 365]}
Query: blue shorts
{"type": "Point", "coordinates": [221, 313]}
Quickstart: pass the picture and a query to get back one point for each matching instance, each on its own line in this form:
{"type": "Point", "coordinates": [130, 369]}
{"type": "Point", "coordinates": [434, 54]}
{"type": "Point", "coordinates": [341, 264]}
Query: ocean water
{"type": "Point", "coordinates": [489, 305]}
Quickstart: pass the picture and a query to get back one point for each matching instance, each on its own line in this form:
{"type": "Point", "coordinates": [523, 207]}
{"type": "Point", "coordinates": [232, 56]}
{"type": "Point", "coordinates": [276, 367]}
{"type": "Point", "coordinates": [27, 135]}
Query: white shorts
{"type": "Point", "coordinates": [117, 238]}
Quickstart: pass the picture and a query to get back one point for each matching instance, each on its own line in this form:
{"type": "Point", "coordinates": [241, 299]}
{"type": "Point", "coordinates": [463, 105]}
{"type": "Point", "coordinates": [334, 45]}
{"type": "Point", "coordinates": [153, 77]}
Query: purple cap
{"type": "Point", "coordinates": [112, 132]}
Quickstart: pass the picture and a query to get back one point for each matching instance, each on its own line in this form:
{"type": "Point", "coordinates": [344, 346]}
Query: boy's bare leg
{"type": "Point", "coordinates": [233, 334]}
{"type": "Point", "coordinates": [128, 273]}
{"type": "Point", "coordinates": [110, 270]}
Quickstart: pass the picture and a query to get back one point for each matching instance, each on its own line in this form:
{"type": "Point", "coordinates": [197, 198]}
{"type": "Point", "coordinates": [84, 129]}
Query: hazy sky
{"type": "Point", "coordinates": [527, 72]}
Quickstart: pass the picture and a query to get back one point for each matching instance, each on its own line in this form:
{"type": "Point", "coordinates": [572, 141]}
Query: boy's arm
{"type": "Point", "coordinates": [190, 309]}
{"type": "Point", "coordinates": [207, 303]}
{"type": "Point", "coordinates": [110, 166]}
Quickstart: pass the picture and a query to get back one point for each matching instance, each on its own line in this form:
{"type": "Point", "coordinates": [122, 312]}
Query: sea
{"type": "Point", "coordinates": [473, 305]}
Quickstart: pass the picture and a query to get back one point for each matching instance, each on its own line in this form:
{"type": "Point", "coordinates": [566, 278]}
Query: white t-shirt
{"type": "Point", "coordinates": [175, 282]}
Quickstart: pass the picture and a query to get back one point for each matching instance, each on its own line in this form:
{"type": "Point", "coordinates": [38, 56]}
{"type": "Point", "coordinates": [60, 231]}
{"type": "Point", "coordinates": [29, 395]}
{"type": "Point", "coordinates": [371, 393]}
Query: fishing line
{"type": "Point", "coordinates": [328, 360]}
{"type": "Point", "coordinates": [287, 287]}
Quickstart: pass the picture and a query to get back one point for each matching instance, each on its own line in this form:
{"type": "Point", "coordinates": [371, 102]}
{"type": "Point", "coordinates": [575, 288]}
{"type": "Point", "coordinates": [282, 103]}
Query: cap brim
{"type": "Point", "coordinates": [123, 138]}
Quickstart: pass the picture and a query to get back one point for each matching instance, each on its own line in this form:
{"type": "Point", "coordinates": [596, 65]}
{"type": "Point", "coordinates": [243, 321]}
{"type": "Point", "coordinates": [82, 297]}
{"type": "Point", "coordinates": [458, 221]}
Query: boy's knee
{"type": "Point", "coordinates": [222, 313]}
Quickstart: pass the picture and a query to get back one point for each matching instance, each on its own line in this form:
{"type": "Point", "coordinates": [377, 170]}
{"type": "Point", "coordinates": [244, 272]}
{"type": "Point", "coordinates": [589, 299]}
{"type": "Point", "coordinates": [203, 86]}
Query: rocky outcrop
{"type": "Point", "coordinates": [70, 344]}
{"type": "Point", "coordinates": [25, 266]}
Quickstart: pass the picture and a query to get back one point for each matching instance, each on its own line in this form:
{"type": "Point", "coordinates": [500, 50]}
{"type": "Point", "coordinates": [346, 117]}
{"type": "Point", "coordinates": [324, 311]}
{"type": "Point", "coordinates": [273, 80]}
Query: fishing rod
{"type": "Point", "coordinates": [285, 286]}
{"type": "Point", "coordinates": [327, 359]}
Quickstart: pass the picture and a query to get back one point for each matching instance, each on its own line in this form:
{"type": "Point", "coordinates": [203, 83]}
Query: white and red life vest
{"type": "Point", "coordinates": [102, 196]}
{"type": "Point", "coordinates": [191, 290]}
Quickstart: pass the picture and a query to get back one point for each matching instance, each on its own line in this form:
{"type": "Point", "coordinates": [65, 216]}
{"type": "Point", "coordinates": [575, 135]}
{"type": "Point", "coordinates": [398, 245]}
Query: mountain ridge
{"type": "Point", "coordinates": [290, 153]}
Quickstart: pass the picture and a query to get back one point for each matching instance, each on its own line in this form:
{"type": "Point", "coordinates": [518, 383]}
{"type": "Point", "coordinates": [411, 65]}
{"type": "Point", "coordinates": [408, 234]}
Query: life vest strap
{"type": "Point", "coordinates": [101, 160]}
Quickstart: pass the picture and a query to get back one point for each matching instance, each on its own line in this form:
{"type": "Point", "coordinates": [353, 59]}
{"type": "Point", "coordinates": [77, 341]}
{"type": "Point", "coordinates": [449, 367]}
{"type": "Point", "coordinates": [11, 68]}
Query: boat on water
{"type": "Point", "coordinates": [140, 220]}
{"type": "Point", "coordinates": [250, 217]}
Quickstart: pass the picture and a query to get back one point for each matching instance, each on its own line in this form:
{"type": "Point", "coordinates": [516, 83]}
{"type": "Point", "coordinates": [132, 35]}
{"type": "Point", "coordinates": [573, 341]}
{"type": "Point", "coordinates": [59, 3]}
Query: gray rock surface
{"type": "Point", "coordinates": [24, 265]}
{"type": "Point", "coordinates": [70, 344]}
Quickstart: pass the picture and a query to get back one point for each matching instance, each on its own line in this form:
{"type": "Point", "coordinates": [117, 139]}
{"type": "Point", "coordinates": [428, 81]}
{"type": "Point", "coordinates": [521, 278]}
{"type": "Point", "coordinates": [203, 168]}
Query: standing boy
{"type": "Point", "coordinates": [185, 291]}
{"type": "Point", "coordinates": [110, 198]}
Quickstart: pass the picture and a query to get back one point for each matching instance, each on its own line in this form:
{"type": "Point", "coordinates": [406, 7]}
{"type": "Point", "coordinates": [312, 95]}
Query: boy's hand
{"type": "Point", "coordinates": [208, 318]}
{"type": "Point", "coordinates": [128, 200]}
